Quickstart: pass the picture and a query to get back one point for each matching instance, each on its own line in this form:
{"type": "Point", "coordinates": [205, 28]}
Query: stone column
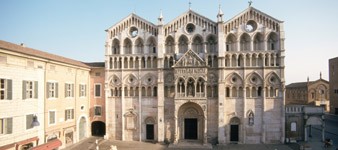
{"type": "Point", "coordinates": [205, 134]}
{"type": "Point", "coordinates": [176, 128]}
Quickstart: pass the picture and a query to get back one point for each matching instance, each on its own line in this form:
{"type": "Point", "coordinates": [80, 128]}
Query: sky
{"type": "Point", "coordinates": [75, 28]}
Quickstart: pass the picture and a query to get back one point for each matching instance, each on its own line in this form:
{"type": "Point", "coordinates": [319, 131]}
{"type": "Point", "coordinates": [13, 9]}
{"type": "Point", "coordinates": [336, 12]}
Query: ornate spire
{"type": "Point", "coordinates": [160, 19]}
{"type": "Point", "coordinates": [220, 13]}
{"type": "Point", "coordinates": [320, 75]}
{"type": "Point", "coordinates": [189, 5]}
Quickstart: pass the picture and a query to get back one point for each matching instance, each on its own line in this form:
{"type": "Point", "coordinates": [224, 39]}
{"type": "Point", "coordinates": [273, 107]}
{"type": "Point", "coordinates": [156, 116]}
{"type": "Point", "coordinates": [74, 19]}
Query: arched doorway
{"type": "Point", "coordinates": [82, 128]}
{"type": "Point", "coordinates": [98, 128]}
{"type": "Point", "coordinates": [191, 122]}
{"type": "Point", "coordinates": [234, 129]}
{"type": "Point", "coordinates": [150, 128]}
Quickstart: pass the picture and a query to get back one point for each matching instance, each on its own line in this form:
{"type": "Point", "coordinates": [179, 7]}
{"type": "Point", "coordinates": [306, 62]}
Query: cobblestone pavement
{"type": "Point", "coordinates": [90, 144]}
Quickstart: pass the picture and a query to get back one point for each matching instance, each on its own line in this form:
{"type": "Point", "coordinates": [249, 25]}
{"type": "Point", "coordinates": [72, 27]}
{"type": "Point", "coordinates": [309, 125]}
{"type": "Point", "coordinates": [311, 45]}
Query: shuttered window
{"type": "Point", "coordinates": [29, 89]}
{"type": "Point", "coordinates": [5, 89]}
{"type": "Point", "coordinates": [6, 125]}
{"type": "Point", "coordinates": [69, 114]}
{"type": "Point", "coordinates": [82, 90]}
{"type": "Point", "coordinates": [52, 90]}
{"type": "Point", "coordinates": [69, 90]}
{"type": "Point", "coordinates": [29, 121]}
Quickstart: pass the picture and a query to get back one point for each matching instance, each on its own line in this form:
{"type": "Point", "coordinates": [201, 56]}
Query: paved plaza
{"type": "Point", "coordinates": [90, 144]}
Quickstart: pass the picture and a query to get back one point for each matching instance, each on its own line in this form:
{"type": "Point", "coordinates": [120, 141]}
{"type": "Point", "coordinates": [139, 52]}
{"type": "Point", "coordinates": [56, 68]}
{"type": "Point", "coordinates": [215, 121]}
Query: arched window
{"type": "Point", "coordinates": [245, 42]}
{"type": "Point", "coordinates": [211, 44]}
{"type": "Point", "coordinates": [227, 92]}
{"type": "Point", "coordinates": [127, 46]}
{"type": "Point", "coordinates": [183, 44]}
{"type": "Point", "coordinates": [169, 45]}
{"type": "Point", "coordinates": [231, 43]}
{"type": "Point", "coordinates": [139, 46]}
{"type": "Point", "coordinates": [258, 42]}
{"type": "Point", "coordinates": [272, 41]}
{"type": "Point", "coordinates": [197, 45]}
{"type": "Point", "coordinates": [116, 47]}
{"type": "Point", "coordinates": [152, 45]}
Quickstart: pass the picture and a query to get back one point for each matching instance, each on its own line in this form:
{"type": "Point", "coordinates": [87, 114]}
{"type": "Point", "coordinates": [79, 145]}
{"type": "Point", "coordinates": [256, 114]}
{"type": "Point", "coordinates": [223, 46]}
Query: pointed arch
{"type": "Point", "coordinates": [234, 79]}
{"type": "Point", "coordinates": [115, 48]}
{"type": "Point", "coordinates": [258, 41]}
{"type": "Point", "coordinates": [231, 43]}
{"type": "Point", "coordinates": [197, 43]}
{"type": "Point", "coordinates": [183, 44]}
{"type": "Point", "coordinates": [169, 45]}
{"type": "Point", "coordinates": [139, 46]}
{"type": "Point", "coordinates": [272, 41]}
{"type": "Point", "coordinates": [245, 42]}
{"type": "Point", "coordinates": [127, 46]}
{"type": "Point", "coordinates": [152, 45]}
{"type": "Point", "coordinates": [211, 43]}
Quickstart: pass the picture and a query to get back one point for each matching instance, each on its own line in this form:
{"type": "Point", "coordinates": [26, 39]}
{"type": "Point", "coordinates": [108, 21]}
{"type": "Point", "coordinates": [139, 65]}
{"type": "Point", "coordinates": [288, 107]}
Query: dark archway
{"type": "Point", "coordinates": [98, 128]}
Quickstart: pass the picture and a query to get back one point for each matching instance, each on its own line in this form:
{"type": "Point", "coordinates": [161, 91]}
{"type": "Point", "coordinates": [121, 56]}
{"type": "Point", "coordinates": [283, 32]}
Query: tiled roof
{"type": "Point", "coordinates": [36, 53]}
{"type": "Point", "coordinates": [95, 64]}
{"type": "Point", "coordinates": [297, 85]}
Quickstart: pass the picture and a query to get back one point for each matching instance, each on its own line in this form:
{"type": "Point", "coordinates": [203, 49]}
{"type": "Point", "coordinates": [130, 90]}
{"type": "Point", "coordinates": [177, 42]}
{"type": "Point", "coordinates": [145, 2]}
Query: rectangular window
{"type": "Point", "coordinates": [52, 90]}
{"type": "Point", "coordinates": [69, 92]}
{"type": "Point", "coordinates": [97, 90]}
{"type": "Point", "coordinates": [52, 117]}
{"type": "Point", "coordinates": [29, 120]}
{"type": "Point", "coordinates": [5, 89]}
{"type": "Point", "coordinates": [69, 114]}
{"type": "Point", "coordinates": [29, 89]}
{"type": "Point", "coordinates": [98, 111]}
{"type": "Point", "coordinates": [6, 125]}
{"type": "Point", "coordinates": [97, 74]}
{"type": "Point", "coordinates": [82, 90]}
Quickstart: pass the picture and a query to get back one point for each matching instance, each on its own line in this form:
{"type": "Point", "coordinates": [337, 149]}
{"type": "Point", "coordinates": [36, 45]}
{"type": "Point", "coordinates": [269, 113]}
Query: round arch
{"type": "Point", "coordinates": [191, 122]}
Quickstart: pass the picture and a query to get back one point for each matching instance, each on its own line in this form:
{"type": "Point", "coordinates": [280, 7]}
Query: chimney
{"type": "Point", "coordinates": [22, 44]}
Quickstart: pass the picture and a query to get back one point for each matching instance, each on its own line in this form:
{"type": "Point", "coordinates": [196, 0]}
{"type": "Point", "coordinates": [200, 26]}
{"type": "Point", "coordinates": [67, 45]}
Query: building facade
{"type": "Point", "coordinates": [97, 113]}
{"type": "Point", "coordinates": [333, 78]}
{"type": "Point", "coordinates": [196, 79]}
{"type": "Point", "coordinates": [50, 89]}
{"type": "Point", "coordinates": [21, 99]}
{"type": "Point", "coordinates": [315, 93]}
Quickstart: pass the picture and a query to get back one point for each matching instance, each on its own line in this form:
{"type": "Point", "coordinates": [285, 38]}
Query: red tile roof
{"type": "Point", "coordinates": [33, 52]}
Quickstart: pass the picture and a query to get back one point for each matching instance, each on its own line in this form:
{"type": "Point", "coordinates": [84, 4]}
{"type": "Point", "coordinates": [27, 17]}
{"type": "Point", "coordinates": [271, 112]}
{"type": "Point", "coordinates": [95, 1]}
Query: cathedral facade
{"type": "Point", "coordinates": [194, 79]}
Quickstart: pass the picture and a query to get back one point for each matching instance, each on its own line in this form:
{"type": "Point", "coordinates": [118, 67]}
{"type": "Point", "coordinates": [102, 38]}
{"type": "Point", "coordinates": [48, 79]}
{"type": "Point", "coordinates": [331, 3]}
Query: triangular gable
{"type": "Point", "coordinates": [184, 19]}
{"type": "Point", "coordinates": [131, 20]}
{"type": "Point", "coordinates": [190, 59]}
{"type": "Point", "coordinates": [251, 13]}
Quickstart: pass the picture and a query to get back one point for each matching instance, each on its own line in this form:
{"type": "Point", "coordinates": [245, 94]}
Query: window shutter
{"type": "Point", "coordinates": [66, 115]}
{"type": "Point", "coordinates": [47, 89]}
{"type": "Point", "coordinates": [9, 89]}
{"type": "Point", "coordinates": [85, 90]}
{"type": "Point", "coordinates": [66, 89]}
{"type": "Point", "coordinates": [9, 125]}
{"type": "Point", "coordinates": [36, 89]}
{"type": "Point", "coordinates": [56, 90]}
{"type": "Point", "coordinates": [24, 89]}
{"type": "Point", "coordinates": [80, 90]}
{"type": "Point", "coordinates": [29, 121]}
{"type": "Point", "coordinates": [72, 90]}
{"type": "Point", "coordinates": [72, 113]}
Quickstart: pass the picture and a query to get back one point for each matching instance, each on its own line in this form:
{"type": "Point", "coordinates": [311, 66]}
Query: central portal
{"type": "Point", "coordinates": [190, 128]}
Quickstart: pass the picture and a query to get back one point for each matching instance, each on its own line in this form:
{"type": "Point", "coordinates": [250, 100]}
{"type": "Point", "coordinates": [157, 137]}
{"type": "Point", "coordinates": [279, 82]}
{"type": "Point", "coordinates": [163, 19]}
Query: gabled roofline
{"type": "Point", "coordinates": [252, 8]}
{"type": "Point", "coordinates": [7, 46]}
{"type": "Point", "coordinates": [132, 15]}
{"type": "Point", "coordinates": [190, 11]}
